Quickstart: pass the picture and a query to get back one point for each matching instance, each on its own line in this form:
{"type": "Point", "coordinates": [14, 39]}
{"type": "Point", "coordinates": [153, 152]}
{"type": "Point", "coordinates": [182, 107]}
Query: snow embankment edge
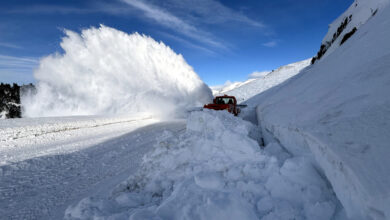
{"type": "Point", "coordinates": [357, 201]}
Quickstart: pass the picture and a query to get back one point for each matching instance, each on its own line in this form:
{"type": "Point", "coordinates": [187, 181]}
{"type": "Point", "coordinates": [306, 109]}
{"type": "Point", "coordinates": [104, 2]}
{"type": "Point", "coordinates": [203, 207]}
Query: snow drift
{"type": "Point", "coordinates": [215, 170]}
{"type": "Point", "coordinates": [106, 71]}
{"type": "Point", "coordinates": [337, 112]}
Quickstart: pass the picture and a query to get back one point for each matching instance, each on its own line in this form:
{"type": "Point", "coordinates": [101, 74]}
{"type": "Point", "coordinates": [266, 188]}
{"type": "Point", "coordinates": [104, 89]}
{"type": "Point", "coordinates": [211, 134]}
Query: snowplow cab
{"type": "Point", "coordinates": [224, 102]}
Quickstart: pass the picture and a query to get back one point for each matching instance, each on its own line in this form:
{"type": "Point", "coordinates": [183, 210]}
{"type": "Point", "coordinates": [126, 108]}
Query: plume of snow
{"type": "Point", "coordinates": [106, 71]}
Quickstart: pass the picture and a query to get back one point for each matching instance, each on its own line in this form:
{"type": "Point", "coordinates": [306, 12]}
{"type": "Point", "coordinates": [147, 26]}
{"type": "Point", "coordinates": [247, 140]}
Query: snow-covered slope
{"type": "Point", "coordinates": [355, 16]}
{"type": "Point", "coordinates": [337, 112]}
{"type": "Point", "coordinates": [247, 89]}
{"type": "Point", "coordinates": [229, 86]}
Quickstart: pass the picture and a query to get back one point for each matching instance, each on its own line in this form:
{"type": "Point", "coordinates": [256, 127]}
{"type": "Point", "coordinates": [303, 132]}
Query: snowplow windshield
{"type": "Point", "coordinates": [222, 100]}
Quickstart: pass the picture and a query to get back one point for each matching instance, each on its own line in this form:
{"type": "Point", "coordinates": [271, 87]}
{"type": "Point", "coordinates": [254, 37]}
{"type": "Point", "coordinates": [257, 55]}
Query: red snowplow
{"type": "Point", "coordinates": [225, 102]}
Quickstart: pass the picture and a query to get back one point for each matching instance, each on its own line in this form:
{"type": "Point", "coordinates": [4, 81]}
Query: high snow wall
{"type": "Point", "coordinates": [337, 113]}
{"type": "Point", "coordinates": [106, 71]}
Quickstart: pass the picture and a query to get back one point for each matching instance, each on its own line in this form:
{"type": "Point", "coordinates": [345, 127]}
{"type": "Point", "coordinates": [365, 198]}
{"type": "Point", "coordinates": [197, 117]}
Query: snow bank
{"type": "Point", "coordinates": [215, 171]}
{"type": "Point", "coordinates": [337, 112]}
{"type": "Point", "coordinates": [106, 71]}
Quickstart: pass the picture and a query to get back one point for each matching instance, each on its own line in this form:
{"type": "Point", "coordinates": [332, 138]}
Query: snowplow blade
{"type": "Point", "coordinates": [242, 106]}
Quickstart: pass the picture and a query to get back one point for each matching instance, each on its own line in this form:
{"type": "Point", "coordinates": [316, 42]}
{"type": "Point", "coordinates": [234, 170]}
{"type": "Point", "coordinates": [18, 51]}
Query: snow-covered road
{"type": "Point", "coordinates": [45, 171]}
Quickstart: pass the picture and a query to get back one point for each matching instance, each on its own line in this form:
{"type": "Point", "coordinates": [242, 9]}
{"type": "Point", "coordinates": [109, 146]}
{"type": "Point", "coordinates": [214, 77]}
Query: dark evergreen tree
{"type": "Point", "coordinates": [10, 106]}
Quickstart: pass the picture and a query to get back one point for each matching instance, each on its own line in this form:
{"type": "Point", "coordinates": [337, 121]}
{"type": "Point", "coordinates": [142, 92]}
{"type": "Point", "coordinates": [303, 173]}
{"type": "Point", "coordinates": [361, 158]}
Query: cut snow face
{"type": "Point", "coordinates": [337, 111]}
{"type": "Point", "coordinates": [215, 170]}
{"type": "Point", "coordinates": [106, 71]}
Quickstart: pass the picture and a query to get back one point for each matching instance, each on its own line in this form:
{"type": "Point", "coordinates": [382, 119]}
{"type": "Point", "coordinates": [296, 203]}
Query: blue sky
{"type": "Point", "coordinates": [222, 40]}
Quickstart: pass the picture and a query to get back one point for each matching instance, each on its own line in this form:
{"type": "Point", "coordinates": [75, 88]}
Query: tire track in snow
{"type": "Point", "coordinates": [35, 131]}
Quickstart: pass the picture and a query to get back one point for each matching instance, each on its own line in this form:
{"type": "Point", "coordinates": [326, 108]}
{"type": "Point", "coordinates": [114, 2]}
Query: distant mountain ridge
{"type": "Point", "coordinates": [253, 86]}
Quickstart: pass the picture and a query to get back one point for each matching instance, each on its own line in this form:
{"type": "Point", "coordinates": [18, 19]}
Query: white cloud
{"type": "Point", "coordinates": [207, 11]}
{"type": "Point", "coordinates": [17, 69]}
{"type": "Point", "coordinates": [97, 7]}
{"type": "Point", "coordinates": [10, 62]}
{"type": "Point", "coordinates": [199, 11]}
{"type": "Point", "coordinates": [188, 43]}
{"type": "Point", "coordinates": [9, 45]}
{"type": "Point", "coordinates": [175, 23]}
{"type": "Point", "coordinates": [182, 16]}
{"type": "Point", "coordinates": [48, 9]}
{"type": "Point", "coordinates": [272, 43]}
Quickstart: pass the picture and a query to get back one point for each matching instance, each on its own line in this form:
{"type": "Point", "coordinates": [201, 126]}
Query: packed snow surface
{"type": "Point", "coordinates": [216, 170]}
{"type": "Point", "coordinates": [261, 82]}
{"type": "Point", "coordinates": [106, 71]}
{"type": "Point", "coordinates": [337, 112]}
{"type": "Point", "coordinates": [26, 138]}
{"type": "Point", "coordinates": [46, 164]}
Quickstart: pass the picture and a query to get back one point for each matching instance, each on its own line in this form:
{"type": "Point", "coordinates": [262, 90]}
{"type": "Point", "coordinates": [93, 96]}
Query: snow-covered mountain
{"type": "Point", "coordinates": [337, 112]}
{"type": "Point", "coordinates": [347, 24]}
{"type": "Point", "coordinates": [247, 89]}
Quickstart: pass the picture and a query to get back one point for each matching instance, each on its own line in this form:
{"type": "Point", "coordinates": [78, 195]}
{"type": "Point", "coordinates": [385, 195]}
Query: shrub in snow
{"type": "Point", "coordinates": [348, 35]}
{"type": "Point", "coordinates": [215, 171]}
{"type": "Point", "coordinates": [341, 28]}
{"type": "Point", "coordinates": [374, 11]}
{"type": "Point", "coordinates": [106, 71]}
{"type": "Point", "coordinates": [324, 47]}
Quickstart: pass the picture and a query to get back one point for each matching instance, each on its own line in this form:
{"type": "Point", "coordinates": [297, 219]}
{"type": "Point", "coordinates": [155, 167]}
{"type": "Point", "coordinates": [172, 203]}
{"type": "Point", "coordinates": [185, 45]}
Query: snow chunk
{"type": "Point", "coordinates": [214, 171]}
{"type": "Point", "coordinates": [209, 180]}
{"type": "Point", "coordinates": [106, 71]}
